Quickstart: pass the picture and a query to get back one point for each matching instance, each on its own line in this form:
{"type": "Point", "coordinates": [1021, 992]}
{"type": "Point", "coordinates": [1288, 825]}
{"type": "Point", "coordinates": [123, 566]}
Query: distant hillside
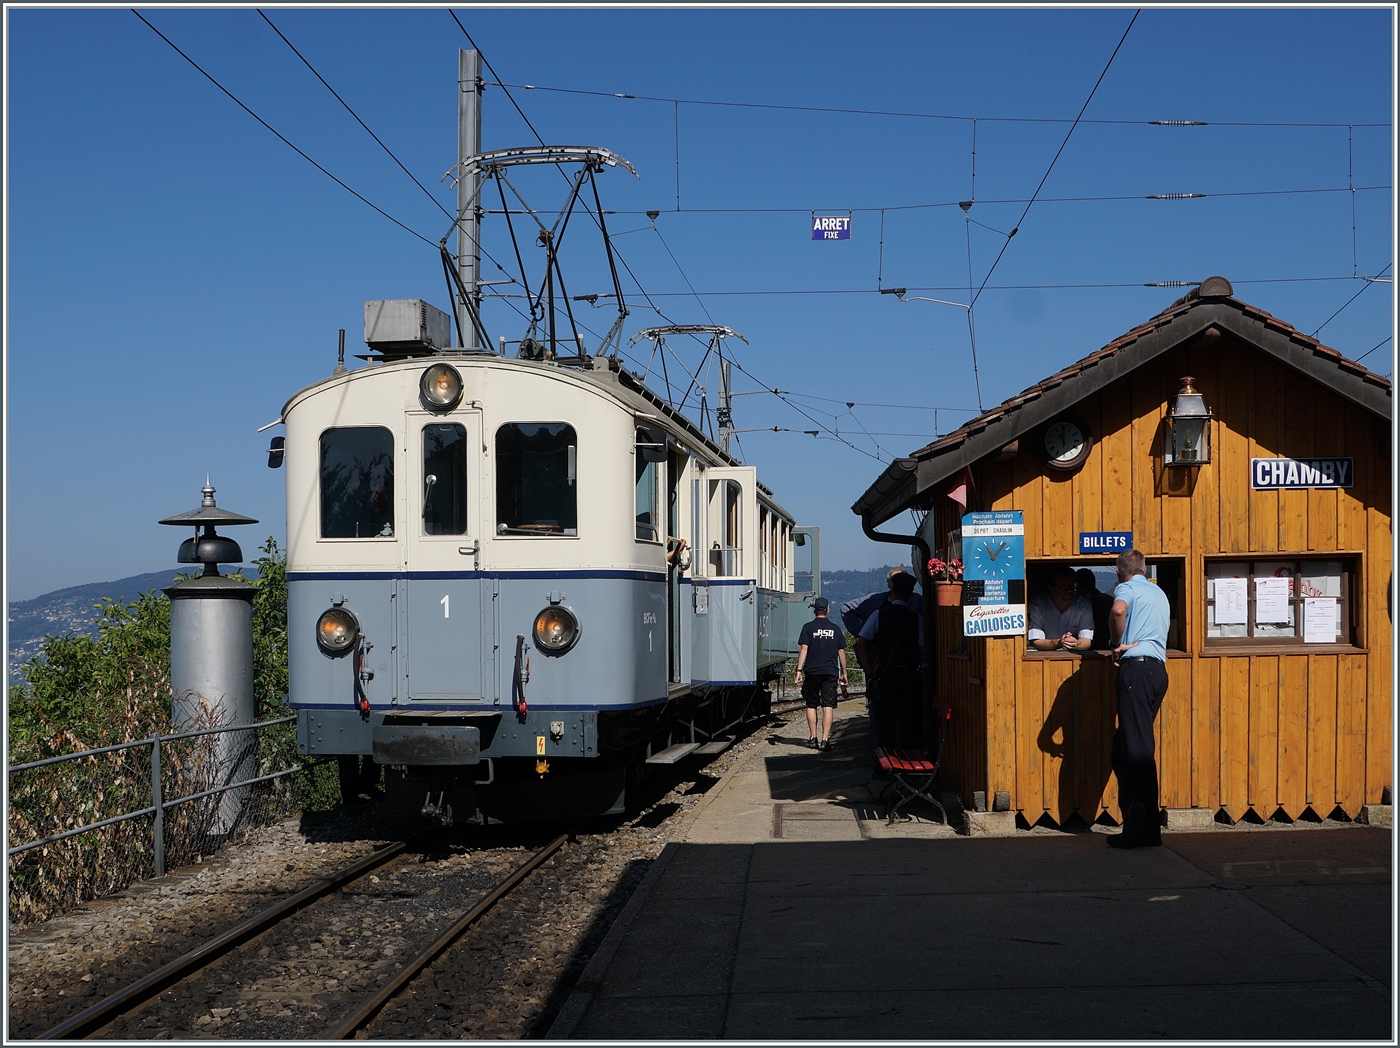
{"type": "Point", "coordinates": [73, 610]}
{"type": "Point", "coordinates": [840, 586]}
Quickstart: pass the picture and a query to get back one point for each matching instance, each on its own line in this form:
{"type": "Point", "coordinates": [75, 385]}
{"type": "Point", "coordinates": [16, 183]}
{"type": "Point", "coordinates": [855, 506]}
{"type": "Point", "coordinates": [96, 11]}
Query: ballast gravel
{"type": "Point", "coordinates": [506, 978]}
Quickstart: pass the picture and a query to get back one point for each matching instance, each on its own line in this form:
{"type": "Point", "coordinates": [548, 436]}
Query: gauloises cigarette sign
{"type": "Point", "coordinates": [1268, 474]}
{"type": "Point", "coordinates": [994, 573]}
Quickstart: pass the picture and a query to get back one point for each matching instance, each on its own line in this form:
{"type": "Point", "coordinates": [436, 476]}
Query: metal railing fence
{"type": "Point", "coordinates": [85, 824]}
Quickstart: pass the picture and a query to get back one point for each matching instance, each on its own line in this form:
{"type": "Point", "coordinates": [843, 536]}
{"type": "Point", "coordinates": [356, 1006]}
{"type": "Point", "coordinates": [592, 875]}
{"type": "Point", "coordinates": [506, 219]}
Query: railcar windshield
{"type": "Point", "coordinates": [445, 480]}
{"type": "Point", "coordinates": [357, 483]}
{"type": "Point", "coordinates": [536, 479]}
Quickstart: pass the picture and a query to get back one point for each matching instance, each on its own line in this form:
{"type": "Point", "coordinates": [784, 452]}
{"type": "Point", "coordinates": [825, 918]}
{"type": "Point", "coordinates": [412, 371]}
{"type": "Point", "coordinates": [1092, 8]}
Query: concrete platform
{"type": "Point", "coordinates": [792, 912]}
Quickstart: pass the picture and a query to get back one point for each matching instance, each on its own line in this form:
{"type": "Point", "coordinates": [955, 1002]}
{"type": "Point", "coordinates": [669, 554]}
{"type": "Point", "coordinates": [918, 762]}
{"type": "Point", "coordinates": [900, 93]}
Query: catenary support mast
{"type": "Point", "coordinates": [469, 88]}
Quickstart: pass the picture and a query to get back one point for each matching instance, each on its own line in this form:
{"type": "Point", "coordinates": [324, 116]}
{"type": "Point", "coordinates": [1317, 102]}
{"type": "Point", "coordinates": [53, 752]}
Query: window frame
{"type": "Point", "coordinates": [1350, 631]}
{"type": "Point", "coordinates": [1181, 619]}
{"type": "Point", "coordinates": [465, 498]}
{"type": "Point", "coordinates": [526, 534]}
{"type": "Point", "coordinates": [321, 535]}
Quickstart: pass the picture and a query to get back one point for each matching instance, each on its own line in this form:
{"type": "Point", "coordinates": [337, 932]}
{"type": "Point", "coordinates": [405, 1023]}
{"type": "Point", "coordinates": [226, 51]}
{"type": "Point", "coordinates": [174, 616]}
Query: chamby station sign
{"type": "Point", "coordinates": [1269, 474]}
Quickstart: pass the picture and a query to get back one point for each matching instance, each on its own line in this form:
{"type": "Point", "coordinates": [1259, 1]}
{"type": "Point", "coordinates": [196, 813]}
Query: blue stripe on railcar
{"type": "Point", "coordinates": [448, 639]}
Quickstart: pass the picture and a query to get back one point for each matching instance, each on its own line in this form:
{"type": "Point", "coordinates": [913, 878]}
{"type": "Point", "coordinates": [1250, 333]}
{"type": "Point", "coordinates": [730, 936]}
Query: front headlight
{"type": "Point", "coordinates": [440, 388]}
{"type": "Point", "coordinates": [337, 630]}
{"type": "Point", "coordinates": [556, 630]}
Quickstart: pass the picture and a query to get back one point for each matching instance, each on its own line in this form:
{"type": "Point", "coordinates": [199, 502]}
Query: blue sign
{"type": "Point", "coordinates": [1105, 541]}
{"type": "Point", "coordinates": [831, 227]}
{"type": "Point", "coordinates": [994, 556]}
{"type": "Point", "coordinates": [1270, 474]}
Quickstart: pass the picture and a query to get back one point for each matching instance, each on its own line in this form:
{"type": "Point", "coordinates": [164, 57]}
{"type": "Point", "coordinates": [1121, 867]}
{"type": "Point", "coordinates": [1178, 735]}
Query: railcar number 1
{"type": "Point", "coordinates": [446, 603]}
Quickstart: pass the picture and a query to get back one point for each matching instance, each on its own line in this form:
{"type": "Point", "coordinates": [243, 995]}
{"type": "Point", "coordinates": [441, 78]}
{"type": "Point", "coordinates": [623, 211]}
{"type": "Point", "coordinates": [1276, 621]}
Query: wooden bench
{"type": "Point", "coordinates": [912, 774]}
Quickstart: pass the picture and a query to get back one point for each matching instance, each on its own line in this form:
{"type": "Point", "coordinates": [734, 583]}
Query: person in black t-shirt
{"type": "Point", "coordinates": [821, 661]}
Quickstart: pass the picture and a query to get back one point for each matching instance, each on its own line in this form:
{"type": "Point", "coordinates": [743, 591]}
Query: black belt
{"type": "Point", "coordinates": [1140, 658]}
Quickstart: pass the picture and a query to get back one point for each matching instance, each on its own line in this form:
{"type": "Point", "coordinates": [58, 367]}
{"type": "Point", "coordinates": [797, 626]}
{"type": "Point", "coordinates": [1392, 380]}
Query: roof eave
{"type": "Point", "coordinates": [901, 487]}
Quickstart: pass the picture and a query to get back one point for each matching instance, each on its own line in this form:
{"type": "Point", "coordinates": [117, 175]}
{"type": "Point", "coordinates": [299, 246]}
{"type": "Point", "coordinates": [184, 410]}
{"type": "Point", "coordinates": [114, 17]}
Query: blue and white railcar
{"type": "Point", "coordinates": [488, 589]}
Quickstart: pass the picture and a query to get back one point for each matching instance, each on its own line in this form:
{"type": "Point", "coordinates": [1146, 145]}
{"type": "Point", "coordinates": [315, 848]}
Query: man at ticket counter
{"type": "Point", "coordinates": [1059, 619]}
{"type": "Point", "coordinates": [1138, 625]}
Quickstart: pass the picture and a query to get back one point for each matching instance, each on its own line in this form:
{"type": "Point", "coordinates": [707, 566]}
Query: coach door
{"type": "Point", "coordinates": [449, 629]}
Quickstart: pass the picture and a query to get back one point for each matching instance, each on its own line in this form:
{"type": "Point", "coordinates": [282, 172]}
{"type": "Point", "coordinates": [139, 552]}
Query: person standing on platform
{"type": "Point", "coordinates": [854, 615]}
{"type": "Point", "coordinates": [821, 662]}
{"type": "Point", "coordinates": [889, 644]}
{"type": "Point", "coordinates": [1138, 623]}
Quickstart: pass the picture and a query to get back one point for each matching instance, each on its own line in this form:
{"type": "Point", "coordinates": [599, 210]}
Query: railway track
{"type": "Point", "coordinates": [380, 949]}
{"type": "Point", "coordinates": [177, 983]}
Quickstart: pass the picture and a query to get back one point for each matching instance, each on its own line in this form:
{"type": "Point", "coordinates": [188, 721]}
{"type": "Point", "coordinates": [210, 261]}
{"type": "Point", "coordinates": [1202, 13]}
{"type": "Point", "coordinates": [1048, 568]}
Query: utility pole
{"type": "Point", "coordinates": [469, 88]}
{"type": "Point", "coordinates": [726, 419]}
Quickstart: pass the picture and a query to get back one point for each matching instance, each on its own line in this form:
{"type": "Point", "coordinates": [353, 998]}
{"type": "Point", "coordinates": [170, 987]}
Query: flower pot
{"type": "Point", "coordinates": [947, 594]}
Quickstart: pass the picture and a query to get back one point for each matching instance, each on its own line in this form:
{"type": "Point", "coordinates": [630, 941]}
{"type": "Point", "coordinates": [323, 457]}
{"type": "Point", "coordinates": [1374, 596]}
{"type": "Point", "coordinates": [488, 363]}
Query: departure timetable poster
{"type": "Point", "coordinates": [994, 574]}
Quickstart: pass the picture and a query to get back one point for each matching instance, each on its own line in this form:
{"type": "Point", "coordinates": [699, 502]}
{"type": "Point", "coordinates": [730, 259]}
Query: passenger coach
{"type": "Point", "coordinates": [517, 580]}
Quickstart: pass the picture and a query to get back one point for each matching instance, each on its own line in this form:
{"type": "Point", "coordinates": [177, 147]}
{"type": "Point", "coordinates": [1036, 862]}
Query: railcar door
{"type": "Point", "coordinates": [449, 629]}
{"type": "Point", "coordinates": [674, 466]}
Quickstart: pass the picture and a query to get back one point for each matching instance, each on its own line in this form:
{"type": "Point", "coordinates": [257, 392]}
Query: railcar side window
{"type": "Point", "coordinates": [725, 557]}
{"type": "Point", "coordinates": [647, 476]}
{"type": "Point", "coordinates": [445, 480]}
{"type": "Point", "coordinates": [357, 483]}
{"type": "Point", "coordinates": [536, 479]}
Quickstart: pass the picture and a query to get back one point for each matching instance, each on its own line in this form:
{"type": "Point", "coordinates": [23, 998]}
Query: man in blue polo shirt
{"type": "Point", "coordinates": [1138, 624]}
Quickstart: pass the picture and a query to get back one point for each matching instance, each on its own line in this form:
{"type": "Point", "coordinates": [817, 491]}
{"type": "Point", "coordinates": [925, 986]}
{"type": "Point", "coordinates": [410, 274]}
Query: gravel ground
{"type": "Point", "coordinates": [506, 978]}
{"type": "Point", "coordinates": [60, 967]}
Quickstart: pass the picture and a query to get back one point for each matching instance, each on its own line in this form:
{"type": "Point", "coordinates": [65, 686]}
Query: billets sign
{"type": "Point", "coordinates": [994, 574]}
{"type": "Point", "coordinates": [1271, 474]}
{"type": "Point", "coordinates": [1105, 541]}
{"type": "Point", "coordinates": [831, 227]}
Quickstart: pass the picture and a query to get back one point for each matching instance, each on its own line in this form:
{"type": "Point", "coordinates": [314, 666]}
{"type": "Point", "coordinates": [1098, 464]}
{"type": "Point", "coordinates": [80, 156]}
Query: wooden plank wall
{"type": "Point", "coordinates": [1238, 731]}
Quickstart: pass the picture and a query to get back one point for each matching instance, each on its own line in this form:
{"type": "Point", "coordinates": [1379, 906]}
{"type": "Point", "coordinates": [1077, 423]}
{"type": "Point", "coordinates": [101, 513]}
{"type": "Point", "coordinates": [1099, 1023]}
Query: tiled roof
{"type": "Point", "coordinates": [1179, 308]}
{"type": "Point", "coordinates": [1214, 291]}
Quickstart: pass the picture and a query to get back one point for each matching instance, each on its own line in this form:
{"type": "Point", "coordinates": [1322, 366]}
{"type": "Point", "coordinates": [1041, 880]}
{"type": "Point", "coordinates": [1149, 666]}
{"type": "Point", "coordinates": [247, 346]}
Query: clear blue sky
{"type": "Point", "coordinates": [175, 272]}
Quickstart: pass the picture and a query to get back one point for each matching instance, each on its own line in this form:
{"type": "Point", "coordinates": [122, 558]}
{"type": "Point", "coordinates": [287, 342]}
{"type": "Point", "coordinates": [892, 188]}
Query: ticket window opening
{"type": "Point", "coordinates": [1169, 574]}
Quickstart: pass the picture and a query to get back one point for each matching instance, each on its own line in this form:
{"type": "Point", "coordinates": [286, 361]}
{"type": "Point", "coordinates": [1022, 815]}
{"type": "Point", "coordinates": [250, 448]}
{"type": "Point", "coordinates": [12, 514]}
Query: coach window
{"type": "Point", "coordinates": [445, 480]}
{"type": "Point", "coordinates": [648, 487]}
{"type": "Point", "coordinates": [725, 552]}
{"type": "Point", "coordinates": [536, 479]}
{"type": "Point", "coordinates": [1279, 601]}
{"type": "Point", "coordinates": [357, 483]}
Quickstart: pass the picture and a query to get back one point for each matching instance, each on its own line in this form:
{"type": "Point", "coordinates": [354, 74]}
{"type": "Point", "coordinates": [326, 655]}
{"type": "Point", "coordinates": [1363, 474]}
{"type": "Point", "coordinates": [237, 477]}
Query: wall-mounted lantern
{"type": "Point", "coordinates": [1188, 428]}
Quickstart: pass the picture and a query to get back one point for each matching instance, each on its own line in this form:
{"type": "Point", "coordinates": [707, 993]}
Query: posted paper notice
{"type": "Point", "coordinates": [1319, 620]}
{"type": "Point", "coordinates": [1271, 599]}
{"type": "Point", "coordinates": [1231, 601]}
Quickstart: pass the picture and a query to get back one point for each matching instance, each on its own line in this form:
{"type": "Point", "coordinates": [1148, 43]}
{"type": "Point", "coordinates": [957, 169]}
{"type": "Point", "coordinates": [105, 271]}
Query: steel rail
{"type": "Point", "coordinates": [93, 1019]}
{"type": "Point", "coordinates": [346, 1029]}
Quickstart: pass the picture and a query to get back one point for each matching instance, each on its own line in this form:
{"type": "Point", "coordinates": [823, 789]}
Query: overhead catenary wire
{"type": "Point", "coordinates": [1107, 198]}
{"type": "Point", "coordinates": [1369, 282]}
{"type": "Point", "coordinates": [933, 116]}
{"type": "Point", "coordinates": [1374, 348]}
{"type": "Point", "coordinates": [992, 287]}
{"type": "Point", "coordinates": [1016, 228]}
{"type": "Point", "coordinates": [286, 141]}
{"type": "Point", "coordinates": [380, 142]}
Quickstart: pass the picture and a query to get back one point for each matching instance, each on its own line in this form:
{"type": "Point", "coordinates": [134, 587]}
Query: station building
{"type": "Point", "coordinates": [1281, 692]}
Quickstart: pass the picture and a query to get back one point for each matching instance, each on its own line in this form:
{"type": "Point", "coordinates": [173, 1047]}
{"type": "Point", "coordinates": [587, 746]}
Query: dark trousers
{"type": "Point", "coordinates": [897, 712]}
{"type": "Point", "coordinates": [1142, 685]}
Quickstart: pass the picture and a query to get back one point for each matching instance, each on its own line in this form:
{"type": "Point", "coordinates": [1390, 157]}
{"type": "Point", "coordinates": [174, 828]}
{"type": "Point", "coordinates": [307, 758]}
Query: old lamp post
{"type": "Point", "coordinates": [1188, 428]}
